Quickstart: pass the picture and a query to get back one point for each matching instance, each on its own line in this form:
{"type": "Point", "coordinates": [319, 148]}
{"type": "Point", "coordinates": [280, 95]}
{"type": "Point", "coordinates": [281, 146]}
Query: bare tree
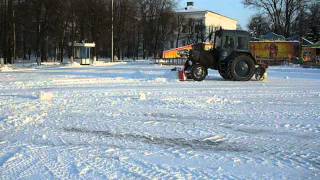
{"type": "Point", "coordinates": [272, 8]}
{"type": "Point", "coordinates": [258, 25]}
{"type": "Point", "coordinates": [282, 13]}
{"type": "Point", "coordinates": [313, 20]}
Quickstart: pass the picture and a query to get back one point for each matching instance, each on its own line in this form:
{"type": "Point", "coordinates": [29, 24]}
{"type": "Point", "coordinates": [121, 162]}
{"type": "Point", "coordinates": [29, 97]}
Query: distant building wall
{"type": "Point", "coordinates": [216, 20]}
{"type": "Point", "coordinates": [211, 20]}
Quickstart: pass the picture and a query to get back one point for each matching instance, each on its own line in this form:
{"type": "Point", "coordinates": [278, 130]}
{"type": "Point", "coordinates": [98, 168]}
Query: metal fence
{"type": "Point", "coordinates": [180, 61]}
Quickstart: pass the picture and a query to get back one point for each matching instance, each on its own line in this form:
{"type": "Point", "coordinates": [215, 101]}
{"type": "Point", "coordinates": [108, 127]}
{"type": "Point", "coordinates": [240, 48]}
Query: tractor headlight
{"type": "Point", "coordinates": [224, 54]}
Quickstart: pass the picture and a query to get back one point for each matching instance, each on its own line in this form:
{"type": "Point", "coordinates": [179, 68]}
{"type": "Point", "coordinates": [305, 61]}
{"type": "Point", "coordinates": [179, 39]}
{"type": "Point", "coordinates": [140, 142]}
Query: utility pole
{"type": "Point", "coordinates": [1, 28]}
{"type": "Point", "coordinates": [14, 36]}
{"type": "Point", "coordinates": [112, 51]}
{"type": "Point", "coordinates": [5, 30]}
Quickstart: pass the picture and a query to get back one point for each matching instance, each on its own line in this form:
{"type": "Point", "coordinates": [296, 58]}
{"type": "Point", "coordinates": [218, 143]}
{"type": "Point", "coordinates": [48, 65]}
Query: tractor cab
{"type": "Point", "coordinates": [229, 41]}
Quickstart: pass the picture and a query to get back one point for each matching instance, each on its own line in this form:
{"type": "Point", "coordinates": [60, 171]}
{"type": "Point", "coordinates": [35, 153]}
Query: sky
{"type": "Point", "coordinates": [231, 8]}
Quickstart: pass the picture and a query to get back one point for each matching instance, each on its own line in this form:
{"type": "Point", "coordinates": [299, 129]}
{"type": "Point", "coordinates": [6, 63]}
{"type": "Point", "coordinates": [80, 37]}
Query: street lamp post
{"type": "Point", "coordinates": [112, 51]}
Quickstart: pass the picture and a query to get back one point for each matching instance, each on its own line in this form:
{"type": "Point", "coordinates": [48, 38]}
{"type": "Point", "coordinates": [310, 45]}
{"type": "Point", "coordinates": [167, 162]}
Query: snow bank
{"type": "Point", "coordinates": [74, 64]}
{"type": "Point", "coordinates": [28, 66]}
{"type": "Point", "coordinates": [105, 63]}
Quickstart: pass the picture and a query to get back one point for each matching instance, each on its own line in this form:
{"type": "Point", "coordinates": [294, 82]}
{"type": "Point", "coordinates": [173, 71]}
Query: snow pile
{"type": "Point", "coordinates": [215, 139]}
{"type": "Point", "coordinates": [74, 65]}
{"type": "Point", "coordinates": [171, 76]}
{"type": "Point", "coordinates": [216, 100]}
{"type": "Point", "coordinates": [6, 68]}
{"type": "Point", "coordinates": [46, 96]}
{"type": "Point", "coordinates": [142, 96]}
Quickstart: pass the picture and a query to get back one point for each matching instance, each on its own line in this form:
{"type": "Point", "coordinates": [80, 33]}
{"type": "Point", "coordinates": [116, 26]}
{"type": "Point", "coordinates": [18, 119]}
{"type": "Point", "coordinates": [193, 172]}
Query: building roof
{"type": "Point", "coordinates": [273, 36]}
{"type": "Point", "coordinates": [307, 42]}
{"type": "Point", "coordinates": [315, 45]}
{"type": "Point", "coordinates": [194, 9]}
{"type": "Point", "coordinates": [190, 9]}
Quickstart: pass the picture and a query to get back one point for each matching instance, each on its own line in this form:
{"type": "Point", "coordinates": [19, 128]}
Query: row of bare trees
{"type": "Point", "coordinates": [286, 17]}
{"type": "Point", "coordinates": [142, 28]}
{"type": "Point", "coordinates": [44, 28]}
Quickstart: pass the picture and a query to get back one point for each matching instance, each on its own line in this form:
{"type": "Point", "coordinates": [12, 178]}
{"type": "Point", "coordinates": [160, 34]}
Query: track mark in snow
{"type": "Point", "coordinates": [196, 144]}
{"type": "Point", "coordinates": [19, 164]}
{"type": "Point", "coordinates": [269, 132]}
{"type": "Point", "coordinates": [29, 97]}
{"type": "Point", "coordinates": [7, 157]}
{"type": "Point", "coordinates": [291, 159]}
{"type": "Point", "coordinates": [169, 117]}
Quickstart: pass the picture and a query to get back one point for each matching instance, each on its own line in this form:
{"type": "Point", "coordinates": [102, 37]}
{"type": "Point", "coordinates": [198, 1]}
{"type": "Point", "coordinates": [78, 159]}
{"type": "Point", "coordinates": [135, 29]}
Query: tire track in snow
{"type": "Point", "coordinates": [18, 164]}
{"type": "Point", "coordinates": [286, 155]}
{"type": "Point", "coordinates": [196, 144]}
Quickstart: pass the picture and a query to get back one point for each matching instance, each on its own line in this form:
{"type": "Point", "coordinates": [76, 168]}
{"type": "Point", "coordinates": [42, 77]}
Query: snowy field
{"type": "Point", "coordinates": [136, 121]}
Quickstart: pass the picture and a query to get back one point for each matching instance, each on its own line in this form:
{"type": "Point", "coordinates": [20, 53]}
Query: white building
{"type": "Point", "coordinates": [197, 25]}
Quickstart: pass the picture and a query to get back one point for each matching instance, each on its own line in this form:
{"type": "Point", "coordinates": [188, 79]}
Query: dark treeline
{"type": "Point", "coordinates": [286, 17]}
{"type": "Point", "coordinates": [142, 28]}
{"type": "Point", "coordinates": [44, 28]}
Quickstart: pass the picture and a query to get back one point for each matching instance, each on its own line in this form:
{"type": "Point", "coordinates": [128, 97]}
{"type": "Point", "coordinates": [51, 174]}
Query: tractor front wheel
{"type": "Point", "coordinates": [224, 75]}
{"type": "Point", "coordinates": [199, 73]}
{"type": "Point", "coordinates": [188, 69]}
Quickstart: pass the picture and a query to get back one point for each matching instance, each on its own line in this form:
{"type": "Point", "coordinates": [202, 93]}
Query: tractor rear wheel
{"type": "Point", "coordinates": [242, 68]}
{"type": "Point", "coordinates": [199, 73]}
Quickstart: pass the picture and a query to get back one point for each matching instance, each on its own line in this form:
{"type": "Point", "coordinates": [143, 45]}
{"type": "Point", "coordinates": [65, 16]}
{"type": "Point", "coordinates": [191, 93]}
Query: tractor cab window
{"type": "Point", "coordinates": [242, 43]}
{"type": "Point", "coordinates": [218, 41]}
{"type": "Point", "coordinates": [229, 42]}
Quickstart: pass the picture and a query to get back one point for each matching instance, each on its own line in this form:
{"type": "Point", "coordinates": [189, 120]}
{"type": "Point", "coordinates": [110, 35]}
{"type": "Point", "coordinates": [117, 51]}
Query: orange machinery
{"type": "Point", "coordinates": [178, 53]}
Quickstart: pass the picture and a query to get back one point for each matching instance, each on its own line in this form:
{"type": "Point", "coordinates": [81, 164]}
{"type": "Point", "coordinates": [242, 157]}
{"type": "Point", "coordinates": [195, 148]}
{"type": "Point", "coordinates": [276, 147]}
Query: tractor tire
{"type": "Point", "coordinates": [241, 68]}
{"type": "Point", "coordinates": [224, 75]}
{"type": "Point", "coordinates": [199, 73]}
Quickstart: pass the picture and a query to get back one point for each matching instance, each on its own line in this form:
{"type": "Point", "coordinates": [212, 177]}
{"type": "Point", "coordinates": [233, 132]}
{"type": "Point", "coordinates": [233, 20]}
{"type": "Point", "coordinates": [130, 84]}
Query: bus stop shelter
{"type": "Point", "coordinates": [83, 52]}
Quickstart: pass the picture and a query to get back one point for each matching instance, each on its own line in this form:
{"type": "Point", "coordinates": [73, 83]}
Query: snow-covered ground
{"type": "Point", "coordinates": [136, 121]}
